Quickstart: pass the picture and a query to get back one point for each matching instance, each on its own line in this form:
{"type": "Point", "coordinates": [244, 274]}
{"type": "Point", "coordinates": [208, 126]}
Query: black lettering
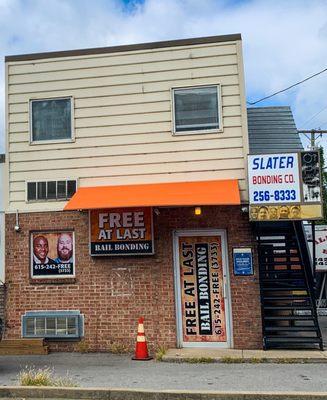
{"type": "Point", "coordinates": [203, 288]}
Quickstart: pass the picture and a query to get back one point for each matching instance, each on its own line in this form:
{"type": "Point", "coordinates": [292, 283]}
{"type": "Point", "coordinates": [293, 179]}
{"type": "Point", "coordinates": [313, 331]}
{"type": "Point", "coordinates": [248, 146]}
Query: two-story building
{"type": "Point", "coordinates": [127, 196]}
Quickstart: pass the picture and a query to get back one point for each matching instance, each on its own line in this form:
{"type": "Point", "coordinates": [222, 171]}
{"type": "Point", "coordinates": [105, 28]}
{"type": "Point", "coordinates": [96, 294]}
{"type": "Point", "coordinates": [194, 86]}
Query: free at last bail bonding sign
{"type": "Point", "coordinates": [125, 231]}
{"type": "Point", "coordinates": [202, 282]}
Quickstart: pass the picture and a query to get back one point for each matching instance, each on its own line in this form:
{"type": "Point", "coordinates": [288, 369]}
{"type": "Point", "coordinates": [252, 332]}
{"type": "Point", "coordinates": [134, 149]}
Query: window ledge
{"type": "Point", "coordinates": [37, 142]}
{"type": "Point", "coordinates": [201, 132]}
{"type": "Point", "coordinates": [48, 201]}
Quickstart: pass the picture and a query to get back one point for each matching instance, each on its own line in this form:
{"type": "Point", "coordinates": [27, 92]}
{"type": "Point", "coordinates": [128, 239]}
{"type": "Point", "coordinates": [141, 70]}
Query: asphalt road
{"type": "Point", "coordinates": [107, 370]}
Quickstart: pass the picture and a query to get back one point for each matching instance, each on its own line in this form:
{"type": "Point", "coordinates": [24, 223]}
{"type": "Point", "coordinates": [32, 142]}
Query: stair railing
{"type": "Point", "coordinates": [307, 268]}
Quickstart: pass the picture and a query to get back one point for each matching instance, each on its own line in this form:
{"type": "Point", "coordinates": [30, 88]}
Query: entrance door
{"type": "Point", "coordinates": [202, 289]}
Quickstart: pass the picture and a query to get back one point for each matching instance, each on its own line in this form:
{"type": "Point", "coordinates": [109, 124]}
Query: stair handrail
{"type": "Point", "coordinates": [307, 262]}
{"type": "Point", "coordinates": [305, 256]}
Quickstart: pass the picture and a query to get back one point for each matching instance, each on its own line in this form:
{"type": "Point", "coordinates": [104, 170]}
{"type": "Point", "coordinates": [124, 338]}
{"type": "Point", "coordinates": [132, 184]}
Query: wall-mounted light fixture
{"type": "Point", "coordinates": [17, 227]}
{"type": "Point", "coordinates": [197, 210]}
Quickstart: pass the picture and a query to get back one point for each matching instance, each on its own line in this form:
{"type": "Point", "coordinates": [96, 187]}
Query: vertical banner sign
{"type": "Point", "coordinates": [202, 282]}
{"type": "Point", "coordinates": [121, 232]}
{"type": "Point", "coordinates": [285, 186]}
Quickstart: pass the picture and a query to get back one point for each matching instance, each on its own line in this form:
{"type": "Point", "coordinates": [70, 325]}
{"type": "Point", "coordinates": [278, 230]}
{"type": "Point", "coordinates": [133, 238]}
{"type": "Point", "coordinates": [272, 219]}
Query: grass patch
{"type": "Point", "coordinates": [31, 376]}
{"type": "Point", "coordinates": [83, 347]}
{"type": "Point", "coordinates": [289, 361]}
{"type": "Point", "coordinates": [118, 348]}
{"type": "Point", "coordinates": [231, 360]}
{"type": "Point", "coordinates": [199, 360]}
{"type": "Point", "coordinates": [160, 352]}
{"type": "Point", "coordinates": [256, 360]}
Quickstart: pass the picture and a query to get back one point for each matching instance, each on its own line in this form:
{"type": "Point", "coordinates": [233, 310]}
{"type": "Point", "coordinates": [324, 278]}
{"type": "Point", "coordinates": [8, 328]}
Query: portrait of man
{"type": "Point", "coordinates": [254, 213]}
{"type": "Point", "coordinates": [273, 214]}
{"type": "Point", "coordinates": [41, 250]}
{"type": "Point", "coordinates": [283, 212]}
{"type": "Point", "coordinates": [64, 248]}
{"type": "Point", "coordinates": [295, 212]}
{"type": "Point", "coordinates": [263, 213]}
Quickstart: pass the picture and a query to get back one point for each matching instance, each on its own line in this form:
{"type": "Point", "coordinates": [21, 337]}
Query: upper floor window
{"type": "Point", "coordinates": [196, 109]}
{"type": "Point", "coordinates": [51, 190]}
{"type": "Point", "coordinates": [51, 119]}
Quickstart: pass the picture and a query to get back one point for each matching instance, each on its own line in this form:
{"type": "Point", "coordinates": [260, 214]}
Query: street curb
{"type": "Point", "coordinates": [27, 392]}
{"type": "Point", "coordinates": [237, 360]}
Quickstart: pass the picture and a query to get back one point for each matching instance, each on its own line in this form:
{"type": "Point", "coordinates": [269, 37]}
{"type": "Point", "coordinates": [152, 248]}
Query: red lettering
{"type": "Point", "coordinates": [289, 178]}
{"type": "Point", "coordinates": [267, 179]}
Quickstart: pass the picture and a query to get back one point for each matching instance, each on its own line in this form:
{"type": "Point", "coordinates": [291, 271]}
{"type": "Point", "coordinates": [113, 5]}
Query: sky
{"type": "Point", "coordinates": [283, 41]}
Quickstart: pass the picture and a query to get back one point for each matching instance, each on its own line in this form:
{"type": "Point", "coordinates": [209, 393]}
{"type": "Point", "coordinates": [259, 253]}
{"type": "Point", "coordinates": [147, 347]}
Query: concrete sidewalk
{"type": "Point", "coordinates": [250, 356]}
{"type": "Point", "coordinates": [115, 371]}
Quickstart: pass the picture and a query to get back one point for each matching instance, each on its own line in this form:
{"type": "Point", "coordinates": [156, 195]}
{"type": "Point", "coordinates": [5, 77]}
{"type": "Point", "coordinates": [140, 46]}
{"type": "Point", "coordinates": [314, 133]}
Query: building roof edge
{"type": "Point", "coordinates": [129, 47]}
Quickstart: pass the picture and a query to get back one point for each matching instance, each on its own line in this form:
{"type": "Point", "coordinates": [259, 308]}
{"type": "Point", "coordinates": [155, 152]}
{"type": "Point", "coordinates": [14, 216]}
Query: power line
{"type": "Point", "coordinates": [284, 90]}
{"type": "Point", "coordinates": [323, 123]}
{"type": "Point", "coordinates": [314, 116]}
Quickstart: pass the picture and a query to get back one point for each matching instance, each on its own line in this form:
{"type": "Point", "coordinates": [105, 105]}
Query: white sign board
{"type": "Point", "coordinates": [284, 186]}
{"type": "Point", "coordinates": [321, 245]}
{"type": "Point", "coordinates": [274, 179]}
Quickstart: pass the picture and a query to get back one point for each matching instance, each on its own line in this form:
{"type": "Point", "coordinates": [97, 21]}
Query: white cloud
{"type": "Point", "coordinates": [283, 41]}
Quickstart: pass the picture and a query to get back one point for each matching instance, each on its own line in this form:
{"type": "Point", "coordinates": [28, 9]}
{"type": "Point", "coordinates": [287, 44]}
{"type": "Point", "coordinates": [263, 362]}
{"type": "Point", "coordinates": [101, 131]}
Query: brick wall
{"type": "Point", "coordinates": [114, 292]}
{"type": "Point", "coordinates": [2, 306]}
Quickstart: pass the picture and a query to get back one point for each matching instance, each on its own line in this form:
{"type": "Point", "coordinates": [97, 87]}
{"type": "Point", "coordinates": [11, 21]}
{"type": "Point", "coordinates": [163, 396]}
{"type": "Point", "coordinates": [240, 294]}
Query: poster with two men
{"type": "Point", "coordinates": [52, 254]}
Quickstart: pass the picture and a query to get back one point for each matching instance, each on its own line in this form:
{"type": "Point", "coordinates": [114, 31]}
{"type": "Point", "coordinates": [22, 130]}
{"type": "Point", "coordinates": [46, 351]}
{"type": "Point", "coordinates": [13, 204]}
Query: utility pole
{"type": "Point", "coordinates": [312, 138]}
{"type": "Point", "coordinates": [312, 133]}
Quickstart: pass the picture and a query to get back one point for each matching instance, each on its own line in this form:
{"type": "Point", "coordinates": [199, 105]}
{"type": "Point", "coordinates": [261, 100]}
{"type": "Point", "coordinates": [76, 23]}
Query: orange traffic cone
{"type": "Point", "coordinates": [141, 350]}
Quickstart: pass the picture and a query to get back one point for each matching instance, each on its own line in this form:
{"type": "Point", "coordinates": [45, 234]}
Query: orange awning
{"type": "Point", "coordinates": [172, 194]}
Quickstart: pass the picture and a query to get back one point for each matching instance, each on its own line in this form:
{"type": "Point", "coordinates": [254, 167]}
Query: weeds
{"type": "Point", "coordinates": [118, 348]}
{"type": "Point", "coordinates": [231, 360]}
{"type": "Point", "coordinates": [83, 347]}
{"type": "Point", "coordinates": [255, 360]}
{"type": "Point", "coordinates": [199, 360]}
{"type": "Point", "coordinates": [161, 351]}
{"type": "Point", "coordinates": [288, 361]}
{"type": "Point", "coordinates": [31, 376]}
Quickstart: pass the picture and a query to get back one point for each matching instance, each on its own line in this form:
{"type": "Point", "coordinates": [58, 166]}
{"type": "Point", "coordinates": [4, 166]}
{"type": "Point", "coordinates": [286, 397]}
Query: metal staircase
{"type": "Point", "coordinates": [289, 316]}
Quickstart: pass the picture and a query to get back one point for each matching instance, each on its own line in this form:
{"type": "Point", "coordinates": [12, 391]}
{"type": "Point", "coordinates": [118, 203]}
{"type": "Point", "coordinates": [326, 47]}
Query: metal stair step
{"type": "Point", "coordinates": [267, 241]}
{"type": "Point", "coordinates": [275, 277]}
{"type": "Point", "coordinates": [298, 339]}
{"type": "Point", "coordinates": [289, 318]}
{"type": "Point", "coordinates": [287, 307]}
{"type": "Point", "coordinates": [281, 280]}
{"type": "Point", "coordinates": [281, 263]}
{"type": "Point", "coordinates": [281, 272]}
{"type": "Point", "coordinates": [290, 328]}
{"type": "Point", "coordinates": [283, 288]}
{"type": "Point", "coordinates": [292, 297]}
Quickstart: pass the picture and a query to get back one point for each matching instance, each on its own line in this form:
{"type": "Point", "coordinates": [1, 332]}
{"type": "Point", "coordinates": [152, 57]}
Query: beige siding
{"type": "Point", "coordinates": [122, 119]}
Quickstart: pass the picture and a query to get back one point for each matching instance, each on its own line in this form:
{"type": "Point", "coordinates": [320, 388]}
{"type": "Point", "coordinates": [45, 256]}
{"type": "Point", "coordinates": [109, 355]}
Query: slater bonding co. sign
{"type": "Point", "coordinates": [285, 186]}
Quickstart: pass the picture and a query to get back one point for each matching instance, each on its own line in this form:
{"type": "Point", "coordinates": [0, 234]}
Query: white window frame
{"type": "Point", "coordinates": [48, 180]}
{"type": "Point", "coordinates": [194, 131]}
{"type": "Point", "coordinates": [51, 141]}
